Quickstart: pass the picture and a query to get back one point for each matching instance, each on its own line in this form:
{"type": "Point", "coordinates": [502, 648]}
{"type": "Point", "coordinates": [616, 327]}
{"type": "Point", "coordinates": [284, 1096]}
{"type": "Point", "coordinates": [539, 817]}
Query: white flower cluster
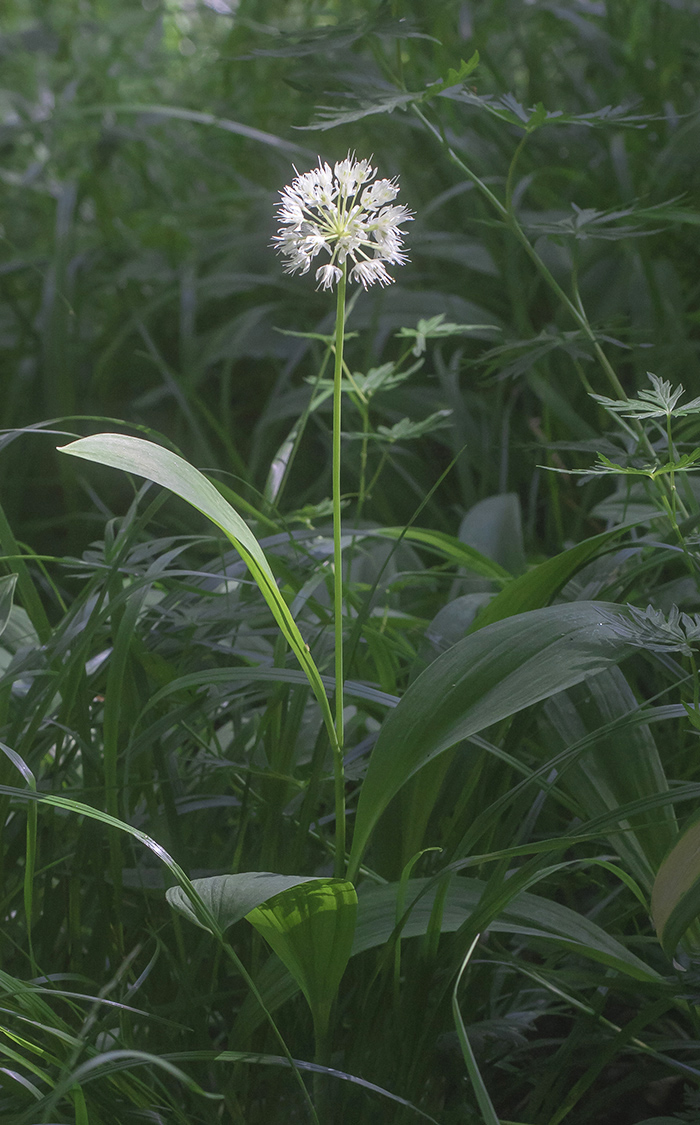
{"type": "Point", "coordinates": [333, 210]}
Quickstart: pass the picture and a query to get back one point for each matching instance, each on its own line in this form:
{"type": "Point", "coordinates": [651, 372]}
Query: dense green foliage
{"type": "Point", "coordinates": [514, 935]}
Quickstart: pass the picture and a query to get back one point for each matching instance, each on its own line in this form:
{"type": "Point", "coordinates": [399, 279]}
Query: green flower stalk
{"type": "Point", "coordinates": [345, 213]}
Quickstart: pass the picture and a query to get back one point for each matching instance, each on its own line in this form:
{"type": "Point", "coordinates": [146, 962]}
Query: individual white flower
{"type": "Point", "coordinates": [383, 191]}
{"type": "Point", "coordinates": [331, 210]}
{"type": "Point", "coordinates": [327, 276]}
{"type": "Point", "coordinates": [369, 272]}
{"type": "Point", "coordinates": [350, 173]}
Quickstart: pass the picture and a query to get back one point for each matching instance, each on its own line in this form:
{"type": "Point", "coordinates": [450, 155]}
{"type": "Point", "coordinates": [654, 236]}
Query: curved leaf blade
{"type": "Point", "coordinates": [311, 927]}
{"type": "Point", "coordinates": [146, 459]}
{"type": "Point", "coordinates": [448, 547]}
{"type": "Point", "coordinates": [486, 677]}
{"type": "Point", "coordinates": [317, 1068]}
{"type": "Point", "coordinates": [528, 915]}
{"type": "Point", "coordinates": [538, 586]}
{"type": "Point", "coordinates": [230, 897]}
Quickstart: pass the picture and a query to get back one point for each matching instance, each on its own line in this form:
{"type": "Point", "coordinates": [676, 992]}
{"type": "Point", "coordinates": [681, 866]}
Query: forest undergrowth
{"type": "Point", "coordinates": [349, 730]}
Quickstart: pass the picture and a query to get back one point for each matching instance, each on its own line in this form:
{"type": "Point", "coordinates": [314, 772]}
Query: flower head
{"type": "Point", "coordinates": [333, 210]}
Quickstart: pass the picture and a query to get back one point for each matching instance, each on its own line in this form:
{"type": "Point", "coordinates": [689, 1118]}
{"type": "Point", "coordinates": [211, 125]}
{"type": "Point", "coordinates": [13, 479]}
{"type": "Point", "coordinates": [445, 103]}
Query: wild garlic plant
{"type": "Point", "coordinates": [346, 213]}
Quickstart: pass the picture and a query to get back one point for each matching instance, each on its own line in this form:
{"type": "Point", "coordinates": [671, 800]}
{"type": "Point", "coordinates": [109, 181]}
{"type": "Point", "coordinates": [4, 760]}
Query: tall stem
{"type": "Point", "coordinates": [575, 307]}
{"type": "Point", "coordinates": [507, 214]}
{"type": "Point", "coordinates": [339, 772]}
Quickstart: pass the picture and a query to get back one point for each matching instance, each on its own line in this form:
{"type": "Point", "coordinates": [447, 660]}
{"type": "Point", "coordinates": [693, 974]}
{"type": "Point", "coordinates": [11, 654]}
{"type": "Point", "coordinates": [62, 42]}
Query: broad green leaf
{"type": "Point", "coordinates": [230, 897]}
{"type": "Point", "coordinates": [486, 677]}
{"type": "Point", "coordinates": [308, 922]}
{"type": "Point", "coordinates": [18, 632]}
{"type": "Point", "coordinates": [146, 459]}
{"type": "Point", "coordinates": [675, 896]}
{"type": "Point", "coordinates": [538, 586]}
{"type": "Point", "coordinates": [527, 916]}
{"type": "Point", "coordinates": [311, 927]}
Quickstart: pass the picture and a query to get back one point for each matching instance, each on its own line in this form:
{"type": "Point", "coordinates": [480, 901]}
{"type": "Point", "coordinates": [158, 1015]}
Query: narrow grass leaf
{"type": "Point", "coordinates": [31, 847]}
{"type": "Point", "coordinates": [81, 1110]}
{"type": "Point", "coordinates": [488, 1112]}
{"type": "Point", "coordinates": [110, 1063]}
{"type": "Point", "coordinates": [448, 547]}
{"type": "Point", "coordinates": [316, 1068]}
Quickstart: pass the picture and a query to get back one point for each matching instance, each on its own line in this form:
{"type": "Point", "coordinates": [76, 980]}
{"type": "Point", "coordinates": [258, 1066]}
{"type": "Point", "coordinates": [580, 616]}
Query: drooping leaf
{"type": "Point", "coordinates": [231, 897]}
{"type": "Point", "coordinates": [448, 547]}
{"type": "Point", "coordinates": [146, 459]}
{"type": "Point", "coordinates": [180, 113]}
{"type": "Point", "coordinates": [316, 1068]}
